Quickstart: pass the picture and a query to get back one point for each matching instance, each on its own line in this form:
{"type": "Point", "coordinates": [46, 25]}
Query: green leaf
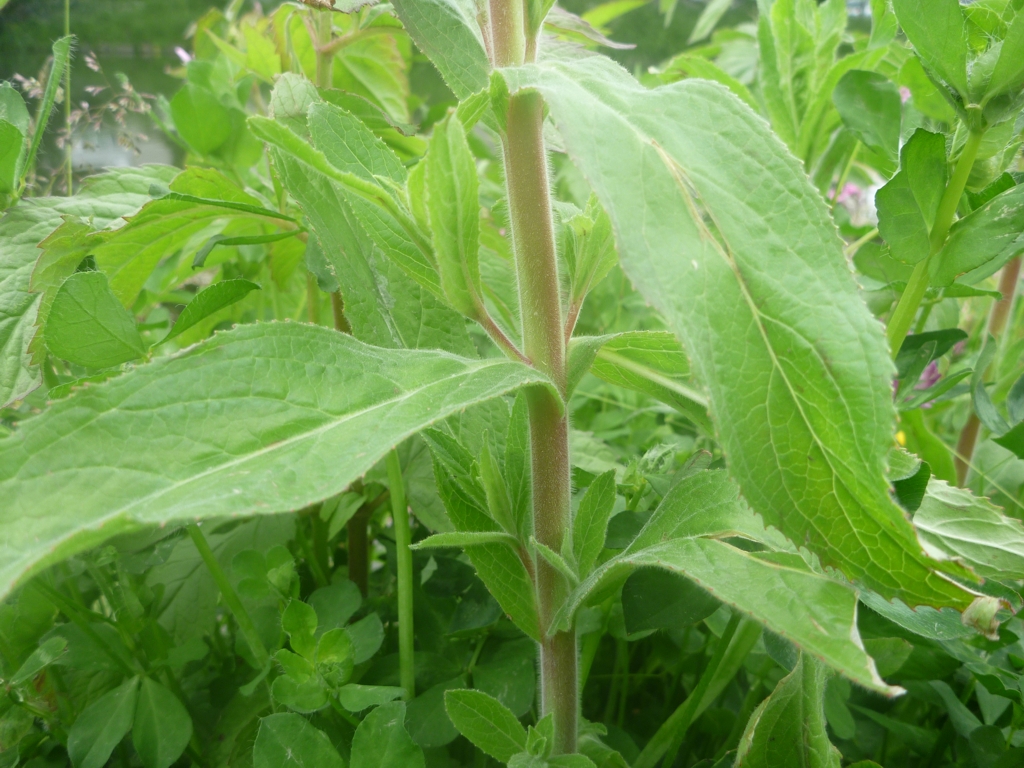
{"type": "Point", "coordinates": [162, 727]}
{"type": "Point", "coordinates": [356, 698]}
{"type": "Point", "coordinates": [486, 722]}
{"type": "Point", "coordinates": [650, 362]}
{"type": "Point", "coordinates": [777, 589]}
{"type": "Point", "coordinates": [147, 448]}
{"type": "Point", "coordinates": [956, 523]}
{"type": "Point", "coordinates": [47, 653]}
{"type": "Point", "coordinates": [335, 657]}
{"type": "Point", "coordinates": [88, 326]}
{"type": "Point", "coordinates": [447, 32]}
{"type": "Point", "coordinates": [61, 57]}
{"type": "Point", "coordinates": [300, 622]}
{"type": "Point", "coordinates": [287, 740]}
{"type": "Point", "coordinates": [202, 121]}
{"type": "Point", "coordinates": [591, 522]}
{"type": "Point", "coordinates": [466, 539]}
{"type": "Point", "coordinates": [657, 599]}
{"type": "Point", "coordinates": [453, 207]}
{"type": "Point", "coordinates": [14, 125]}
{"type": "Point", "coordinates": [381, 740]}
{"type": "Point", "coordinates": [983, 241]}
{"type": "Point", "coordinates": [693, 65]}
{"type": "Point", "coordinates": [936, 30]}
{"type": "Point", "coordinates": [765, 305]}
{"type": "Point", "coordinates": [869, 104]}
{"type": "Point", "coordinates": [788, 728]}
{"type": "Point", "coordinates": [103, 199]}
{"type": "Point", "coordinates": [210, 300]}
{"type": "Point", "coordinates": [499, 567]}
{"type": "Point", "coordinates": [708, 20]}
{"type": "Point", "coordinates": [102, 725]}
{"type": "Point", "coordinates": [367, 635]}
{"type": "Point", "coordinates": [1008, 75]}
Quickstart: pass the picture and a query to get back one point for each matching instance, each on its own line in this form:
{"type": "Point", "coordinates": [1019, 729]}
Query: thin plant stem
{"type": "Point", "coordinates": [856, 245]}
{"type": "Point", "coordinates": [903, 316]}
{"type": "Point", "coordinates": [227, 592]}
{"type": "Point", "coordinates": [324, 56]}
{"type": "Point", "coordinates": [997, 318]}
{"type": "Point", "coordinates": [403, 538]}
{"type": "Point", "coordinates": [533, 243]}
{"type": "Point", "coordinates": [841, 182]}
{"type": "Point", "coordinates": [670, 735]}
{"type": "Point", "coordinates": [68, 173]}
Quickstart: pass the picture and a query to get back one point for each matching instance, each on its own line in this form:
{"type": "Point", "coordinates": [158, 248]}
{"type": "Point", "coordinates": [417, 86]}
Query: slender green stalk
{"type": "Point", "coordinates": [533, 241]}
{"type": "Point", "coordinates": [324, 56]}
{"type": "Point", "coordinates": [69, 176]}
{"type": "Point", "coordinates": [242, 618]}
{"type": "Point", "coordinates": [906, 309]}
{"type": "Point", "coordinates": [667, 740]}
{"type": "Point", "coordinates": [403, 538]}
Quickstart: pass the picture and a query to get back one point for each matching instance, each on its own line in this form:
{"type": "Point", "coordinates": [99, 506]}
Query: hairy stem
{"type": "Point", "coordinates": [906, 309]}
{"type": "Point", "coordinates": [533, 241]}
{"type": "Point", "coordinates": [403, 538]}
{"type": "Point", "coordinates": [996, 323]}
{"type": "Point", "coordinates": [242, 618]}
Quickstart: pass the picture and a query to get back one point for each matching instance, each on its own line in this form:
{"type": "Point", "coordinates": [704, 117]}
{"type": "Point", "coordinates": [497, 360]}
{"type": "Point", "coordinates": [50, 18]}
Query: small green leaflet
{"type": "Point", "coordinates": [88, 326]}
{"type": "Point", "coordinates": [287, 740]}
{"type": "Point", "coordinates": [486, 722]}
{"type": "Point", "coordinates": [210, 300]}
{"type": "Point", "coordinates": [591, 522]}
{"type": "Point", "coordinates": [870, 105]}
{"type": "Point", "coordinates": [102, 725]}
{"type": "Point", "coordinates": [381, 740]}
{"type": "Point", "coordinates": [162, 727]}
{"type": "Point", "coordinates": [301, 411]}
{"type": "Point", "coordinates": [765, 305]}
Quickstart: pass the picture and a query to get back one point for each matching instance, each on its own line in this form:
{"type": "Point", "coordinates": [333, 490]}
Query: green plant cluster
{"type": "Point", "coordinates": [468, 400]}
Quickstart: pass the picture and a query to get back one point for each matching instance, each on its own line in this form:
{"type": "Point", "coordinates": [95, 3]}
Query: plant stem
{"type": "Point", "coordinates": [242, 618]}
{"type": "Point", "coordinates": [338, 308]}
{"type": "Point", "coordinates": [996, 323]}
{"type": "Point", "coordinates": [68, 175]}
{"type": "Point", "coordinates": [403, 538]}
{"type": "Point", "coordinates": [358, 549]}
{"type": "Point", "coordinates": [324, 57]}
{"type": "Point", "coordinates": [906, 309]}
{"type": "Point", "coordinates": [312, 299]}
{"type": "Point", "coordinates": [533, 240]}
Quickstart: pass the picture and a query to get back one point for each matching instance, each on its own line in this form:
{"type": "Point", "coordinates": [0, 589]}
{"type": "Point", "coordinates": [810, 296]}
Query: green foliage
{"type": "Point", "coordinates": [283, 480]}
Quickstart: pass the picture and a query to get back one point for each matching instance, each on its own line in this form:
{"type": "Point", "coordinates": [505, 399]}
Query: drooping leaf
{"type": "Point", "coordinates": [447, 32]}
{"type": "Point", "coordinates": [765, 305]}
{"type": "Point", "coordinates": [101, 726]}
{"type": "Point", "coordinates": [162, 726]}
{"type": "Point", "coordinates": [210, 300]}
{"type": "Point", "coordinates": [287, 740]}
{"type": "Point", "coordinates": [777, 589]}
{"type": "Point", "coordinates": [293, 401]}
{"type": "Point", "coordinates": [381, 740]}
{"type": "Point", "coordinates": [956, 523]}
{"type": "Point", "coordinates": [486, 722]}
{"type": "Point", "coordinates": [88, 326]}
{"type": "Point", "coordinates": [788, 728]}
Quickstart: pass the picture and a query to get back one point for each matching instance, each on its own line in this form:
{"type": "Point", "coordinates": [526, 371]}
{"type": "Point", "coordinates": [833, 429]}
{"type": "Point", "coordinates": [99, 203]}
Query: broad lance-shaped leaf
{"type": "Point", "coordinates": [104, 199]}
{"type": "Point", "coordinates": [777, 589]}
{"type": "Point", "coordinates": [262, 419]}
{"type": "Point", "coordinates": [720, 229]}
{"type": "Point", "coordinates": [788, 728]}
{"type": "Point", "coordinates": [953, 522]}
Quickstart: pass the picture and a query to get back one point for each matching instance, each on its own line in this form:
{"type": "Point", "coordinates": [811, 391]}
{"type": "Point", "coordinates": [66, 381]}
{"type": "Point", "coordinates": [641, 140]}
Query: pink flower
{"type": "Point", "coordinates": [182, 54]}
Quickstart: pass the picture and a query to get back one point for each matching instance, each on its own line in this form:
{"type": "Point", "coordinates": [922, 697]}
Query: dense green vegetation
{"type": "Point", "coordinates": [471, 397]}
